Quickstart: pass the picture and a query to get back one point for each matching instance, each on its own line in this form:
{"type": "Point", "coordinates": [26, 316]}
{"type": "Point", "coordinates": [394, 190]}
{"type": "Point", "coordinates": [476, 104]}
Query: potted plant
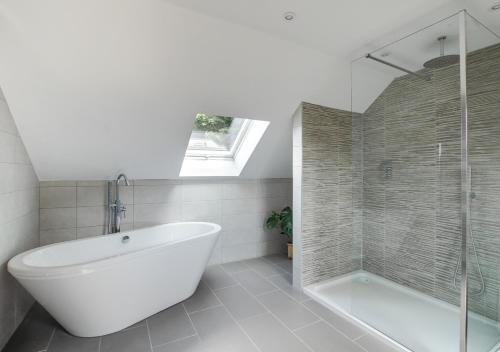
{"type": "Point", "coordinates": [283, 221]}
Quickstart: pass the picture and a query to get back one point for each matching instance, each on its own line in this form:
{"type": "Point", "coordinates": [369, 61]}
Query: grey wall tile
{"type": "Point", "coordinates": [91, 216]}
{"type": "Point", "coordinates": [57, 197]}
{"type": "Point", "coordinates": [91, 196]}
{"type": "Point", "coordinates": [165, 193]}
{"type": "Point", "coordinates": [57, 218]}
{"type": "Point", "coordinates": [91, 231]}
{"type": "Point", "coordinates": [57, 235]}
{"type": "Point", "coordinates": [19, 221]}
{"type": "Point", "coordinates": [155, 202]}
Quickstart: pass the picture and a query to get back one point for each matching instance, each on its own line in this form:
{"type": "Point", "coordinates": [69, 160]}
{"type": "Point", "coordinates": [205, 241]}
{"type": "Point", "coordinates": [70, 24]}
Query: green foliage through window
{"type": "Point", "coordinates": [218, 124]}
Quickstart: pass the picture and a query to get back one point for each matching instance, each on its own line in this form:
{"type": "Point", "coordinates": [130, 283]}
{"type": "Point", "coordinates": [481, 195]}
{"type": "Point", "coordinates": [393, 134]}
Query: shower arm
{"type": "Point", "coordinates": [425, 77]}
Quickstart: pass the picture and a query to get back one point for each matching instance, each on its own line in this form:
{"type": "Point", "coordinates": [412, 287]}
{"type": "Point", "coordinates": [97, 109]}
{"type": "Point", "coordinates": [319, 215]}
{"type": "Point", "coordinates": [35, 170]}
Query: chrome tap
{"type": "Point", "coordinates": [117, 209]}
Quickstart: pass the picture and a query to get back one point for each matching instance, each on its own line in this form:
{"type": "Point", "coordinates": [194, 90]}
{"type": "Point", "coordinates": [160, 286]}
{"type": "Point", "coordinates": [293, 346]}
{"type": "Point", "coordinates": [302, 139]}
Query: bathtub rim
{"type": "Point", "coordinates": [21, 270]}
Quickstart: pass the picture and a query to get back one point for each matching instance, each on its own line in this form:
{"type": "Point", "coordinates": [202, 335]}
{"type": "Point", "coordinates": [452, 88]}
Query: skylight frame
{"type": "Point", "coordinates": [208, 153]}
{"type": "Point", "coordinates": [228, 163]}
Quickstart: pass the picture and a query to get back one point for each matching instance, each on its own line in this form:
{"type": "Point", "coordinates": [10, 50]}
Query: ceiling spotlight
{"type": "Point", "coordinates": [496, 7]}
{"type": "Point", "coordinates": [289, 16]}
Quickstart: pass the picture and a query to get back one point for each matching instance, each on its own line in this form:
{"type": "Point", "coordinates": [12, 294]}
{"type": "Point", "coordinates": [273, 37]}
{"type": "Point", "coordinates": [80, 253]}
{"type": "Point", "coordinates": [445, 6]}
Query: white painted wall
{"type": "Point", "coordinates": [100, 86]}
{"type": "Point", "coordinates": [76, 209]}
{"type": "Point", "coordinates": [18, 220]}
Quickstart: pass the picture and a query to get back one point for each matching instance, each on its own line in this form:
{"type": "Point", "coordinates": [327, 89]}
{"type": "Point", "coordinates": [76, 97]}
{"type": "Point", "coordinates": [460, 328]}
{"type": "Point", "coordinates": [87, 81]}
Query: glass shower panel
{"type": "Point", "coordinates": [406, 105]}
{"type": "Point", "coordinates": [483, 240]}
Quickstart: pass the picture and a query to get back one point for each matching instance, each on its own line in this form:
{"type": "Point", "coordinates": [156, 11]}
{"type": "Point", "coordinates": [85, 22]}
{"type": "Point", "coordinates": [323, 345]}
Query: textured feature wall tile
{"type": "Point", "coordinates": [330, 242]}
{"type": "Point", "coordinates": [411, 218]}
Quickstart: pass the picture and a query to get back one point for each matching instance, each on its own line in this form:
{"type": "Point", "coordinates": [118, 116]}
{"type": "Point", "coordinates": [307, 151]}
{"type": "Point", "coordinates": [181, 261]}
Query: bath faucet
{"type": "Point", "coordinates": [116, 209]}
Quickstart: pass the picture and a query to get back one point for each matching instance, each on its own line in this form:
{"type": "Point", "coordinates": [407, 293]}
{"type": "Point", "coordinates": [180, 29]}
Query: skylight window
{"type": "Point", "coordinates": [216, 136]}
{"type": "Point", "coordinates": [220, 145]}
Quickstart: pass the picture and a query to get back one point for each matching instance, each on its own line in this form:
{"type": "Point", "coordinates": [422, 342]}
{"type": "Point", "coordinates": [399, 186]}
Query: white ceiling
{"type": "Point", "coordinates": [101, 86]}
{"type": "Point", "coordinates": [336, 27]}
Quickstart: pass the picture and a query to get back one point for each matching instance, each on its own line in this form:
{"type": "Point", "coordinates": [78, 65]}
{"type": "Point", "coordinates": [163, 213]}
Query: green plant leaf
{"type": "Point", "coordinates": [283, 220]}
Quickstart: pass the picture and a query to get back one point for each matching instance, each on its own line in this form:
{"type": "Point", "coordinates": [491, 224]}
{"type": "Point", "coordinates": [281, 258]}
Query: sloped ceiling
{"type": "Point", "coordinates": [102, 86]}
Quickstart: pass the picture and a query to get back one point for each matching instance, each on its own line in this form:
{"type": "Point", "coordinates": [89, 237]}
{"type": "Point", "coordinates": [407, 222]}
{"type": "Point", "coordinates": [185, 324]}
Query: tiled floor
{"type": "Point", "coordinates": [243, 306]}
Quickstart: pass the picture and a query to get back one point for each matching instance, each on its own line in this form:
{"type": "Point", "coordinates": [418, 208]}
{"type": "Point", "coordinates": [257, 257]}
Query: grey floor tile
{"type": "Point", "coordinates": [34, 332]}
{"type": "Point", "coordinates": [340, 323]}
{"type": "Point", "coordinates": [284, 282]}
{"type": "Point", "coordinates": [64, 342]}
{"type": "Point", "coordinates": [270, 335]}
{"type": "Point", "coordinates": [239, 302]}
{"type": "Point", "coordinates": [286, 267]}
{"type": "Point", "coordinates": [263, 267]}
{"type": "Point", "coordinates": [278, 258]}
{"type": "Point", "coordinates": [215, 277]}
{"type": "Point", "coordinates": [190, 344]}
{"type": "Point", "coordinates": [235, 267]}
{"type": "Point", "coordinates": [203, 298]}
{"type": "Point", "coordinates": [254, 282]}
{"type": "Point", "coordinates": [131, 340]}
{"type": "Point", "coordinates": [219, 332]}
{"type": "Point", "coordinates": [171, 324]}
{"type": "Point", "coordinates": [140, 323]}
{"type": "Point", "coordinates": [321, 337]}
{"type": "Point", "coordinates": [374, 344]}
{"type": "Point", "coordinates": [290, 312]}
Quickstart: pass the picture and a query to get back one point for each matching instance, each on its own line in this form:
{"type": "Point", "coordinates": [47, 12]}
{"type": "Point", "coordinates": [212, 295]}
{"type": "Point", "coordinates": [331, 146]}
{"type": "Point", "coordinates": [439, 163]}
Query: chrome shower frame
{"type": "Point", "coordinates": [465, 176]}
{"type": "Point", "coordinates": [465, 189]}
{"type": "Point", "coordinates": [390, 64]}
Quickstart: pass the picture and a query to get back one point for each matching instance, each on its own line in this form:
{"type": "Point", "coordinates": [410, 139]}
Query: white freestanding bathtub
{"type": "Point", "coordinates": [101, 285]}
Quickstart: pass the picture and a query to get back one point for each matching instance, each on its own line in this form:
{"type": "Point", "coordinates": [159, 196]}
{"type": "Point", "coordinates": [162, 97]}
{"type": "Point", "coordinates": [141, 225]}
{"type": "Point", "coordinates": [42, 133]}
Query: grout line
{"type": "Point", "coordinates": [223, 288]}
{"type": "Point", "coordinates": [100, 344]}
{"type": "Point", "coordinates": [236, 321]}
{"type": "Point", "coordinates": [76, 210]}
{"type": "Point", "coordinates": [261, 277]}
{"type": "Point", "coordinates": [286, 327]}
{"type": "Point", "coordinates": [333, 326]}
{"type": "Point", "coordinates": [302, 305]}
{"type": "Point", "coordinates": [191, 321]}
{"type": "Point", "coordinates": [149, 336]}
{"type": "Point", "coordinates": [51, 338]}
{"type": "Point", "coordinates": [285, 292]}
{"type": "Point", "coordinates": [177, 340]}
{"type": "Point", "coordinates": [308, 325]}
{"type": "Point", "coordinates": [275, 317]}
{"type": "Point", "coordinates": [133, 326]}
{"type": "Point", "coordinates": [255, 316]}
{"type": "Point", "coordinates": [203, 309]}
{"type": "Point", "coordinates": [265, 293]}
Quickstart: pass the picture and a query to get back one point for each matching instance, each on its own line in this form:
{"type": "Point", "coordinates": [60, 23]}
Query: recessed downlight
{"type": "Point", "coordinates": [289, 16]}
{"type": "Point", "coordinates": [496, 6]}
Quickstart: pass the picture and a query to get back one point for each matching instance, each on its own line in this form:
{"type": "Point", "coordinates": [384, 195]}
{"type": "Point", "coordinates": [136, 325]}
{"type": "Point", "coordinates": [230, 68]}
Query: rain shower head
{"type": "Point", "coordinates": [442, 60]}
